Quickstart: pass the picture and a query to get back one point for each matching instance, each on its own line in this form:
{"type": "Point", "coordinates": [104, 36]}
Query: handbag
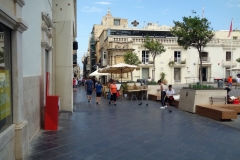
{"type": "Point", "coordinates": [118, 94]}
{"type": "Point", "coordinates": [171, 98]}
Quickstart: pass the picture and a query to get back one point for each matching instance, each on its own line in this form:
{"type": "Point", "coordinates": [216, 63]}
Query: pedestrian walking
{"type": "Point", "coordinates": [113, 92]}
{"type": "Point", "coordinates": [74, 84]}
{"type": "Point", "coordinates": [109, 93]}
{"type": "Point", "coordinates": [163, 94]}
{"type": "Point", "coordinates": [229, 80]}
{"type": "Point", "coordinates": [89, 88]}
{"type": "Point", "coordinates": [98, 89]}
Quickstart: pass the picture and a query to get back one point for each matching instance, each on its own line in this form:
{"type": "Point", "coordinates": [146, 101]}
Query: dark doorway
{"type": "Point", "coordinates": [204, 74]}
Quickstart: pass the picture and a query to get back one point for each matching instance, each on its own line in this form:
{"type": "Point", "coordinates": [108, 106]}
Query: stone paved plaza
{"type": "Point", "coordinates": [131, 132]}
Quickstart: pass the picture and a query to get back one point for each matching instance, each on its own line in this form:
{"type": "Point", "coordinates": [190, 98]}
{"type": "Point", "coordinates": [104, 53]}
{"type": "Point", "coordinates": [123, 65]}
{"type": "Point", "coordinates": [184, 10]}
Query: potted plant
{"type": "Point", "coordinates": [162, 77]}
{"type": "Point", "coordinates": [183, 62]}
{"type": "Point", "coordinates": [171, 63]}
{"type": "Point", "coordinates": [124, 87]}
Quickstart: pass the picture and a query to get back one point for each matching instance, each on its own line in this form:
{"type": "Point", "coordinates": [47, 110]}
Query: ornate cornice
{"type": "Point", "coordinates": [47, 19]}
{"type": "Point", "coordinates": [47, 31]}
{"type": "Point", "coordinates": [46, 45]}
{"type": "Point", "coordinates": [20, 25]}
{"type": "Point", "coordinates": [20, 2]}
{"type": "Point", "coordinates": [11, 20]}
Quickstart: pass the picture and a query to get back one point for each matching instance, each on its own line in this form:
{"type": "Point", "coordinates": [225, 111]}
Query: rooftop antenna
{"type": "Point", "coordinates": [194, 13]}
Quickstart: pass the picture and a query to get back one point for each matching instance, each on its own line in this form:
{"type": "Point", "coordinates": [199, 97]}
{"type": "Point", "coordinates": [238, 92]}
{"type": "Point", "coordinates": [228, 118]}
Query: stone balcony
{"type": "Point", "coordinates": [227, 63]}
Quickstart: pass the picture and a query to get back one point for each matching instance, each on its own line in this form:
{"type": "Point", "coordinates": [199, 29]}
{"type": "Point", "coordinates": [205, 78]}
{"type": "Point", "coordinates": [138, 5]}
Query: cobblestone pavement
{"type": "Point", "coordinates": [130, 131]}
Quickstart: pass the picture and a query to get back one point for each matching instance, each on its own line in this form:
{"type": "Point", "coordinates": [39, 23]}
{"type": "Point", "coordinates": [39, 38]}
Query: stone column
{"type": "Point", "coordinates": [21, 126]}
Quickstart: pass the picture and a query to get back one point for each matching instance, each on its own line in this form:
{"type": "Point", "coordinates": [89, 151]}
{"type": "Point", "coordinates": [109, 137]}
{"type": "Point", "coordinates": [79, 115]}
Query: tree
{"type": "Point", "coordinates": [238, 60]}
{"type": "Point", "coordinates": [193, 32]}
{"type": "Point", "coordinates": [132, 59]}
{"type": "Point", "coordinates": [155, 48]}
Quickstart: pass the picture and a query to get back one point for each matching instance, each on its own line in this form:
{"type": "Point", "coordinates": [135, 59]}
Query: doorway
{"type": "Point", "coordinates": [145, 73]}
{"type": "Point", "coordinates": [204, 74]}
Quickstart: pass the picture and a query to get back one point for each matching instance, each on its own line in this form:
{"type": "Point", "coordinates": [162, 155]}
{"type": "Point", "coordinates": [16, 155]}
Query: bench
{"type": "Point", "coordinates": [154, 97]}
{"type": "Point", "coordinates": [175, 103]}
{"type": "Point", "coordinates": [216, 112]}
{"type": "Point", "coordinates": [218, 99]}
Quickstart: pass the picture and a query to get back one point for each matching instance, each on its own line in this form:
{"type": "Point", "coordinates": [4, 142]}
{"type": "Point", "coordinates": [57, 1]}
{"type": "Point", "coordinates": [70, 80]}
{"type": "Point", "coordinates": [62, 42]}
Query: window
{"type": "Point", "coordinates": [5, 78]}
{"type": "Point", "coordinates": [228, 56]}
{"type": "Point", "coordinates": [145, 57]}
{"type": "Point", "coordinates": [177, 56]}
{"type": "Point", "coordinates": [204, 56]}
{"type": "Point", "coordinates": [116, 22]}
{"type": "Point", "coordinates": [234, 38]}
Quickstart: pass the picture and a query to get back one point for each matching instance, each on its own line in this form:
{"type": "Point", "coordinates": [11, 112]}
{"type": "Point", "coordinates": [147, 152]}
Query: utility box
{"type": "Point", "coordinates": [220, 84]}
{"type": "Point", "coordinates": [52, 112]}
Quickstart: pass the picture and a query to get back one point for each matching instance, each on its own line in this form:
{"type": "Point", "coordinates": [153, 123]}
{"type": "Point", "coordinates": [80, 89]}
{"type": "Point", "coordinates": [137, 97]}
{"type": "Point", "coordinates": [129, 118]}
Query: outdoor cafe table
{"type": "Point", "coordinates": [144, 93]}
{"type": "Point", "coordinates": [133, 94]}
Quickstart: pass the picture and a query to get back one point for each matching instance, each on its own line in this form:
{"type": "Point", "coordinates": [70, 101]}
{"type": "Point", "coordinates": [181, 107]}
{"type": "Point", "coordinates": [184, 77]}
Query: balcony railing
{"type": "Point", "coordinates": [205, 60]}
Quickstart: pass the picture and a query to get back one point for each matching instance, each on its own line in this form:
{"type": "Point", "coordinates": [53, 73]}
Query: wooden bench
{"type": "Point", "coordinates": [154, 97]}
{"type": "Point", "coordinates": [175, 103]}
{"type": "Point", "coordinates": [215, 112]}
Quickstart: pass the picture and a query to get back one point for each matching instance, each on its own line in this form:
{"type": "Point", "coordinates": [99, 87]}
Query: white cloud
{"type": "Point", "coordinates": [102, 2]}
{"type": "Point", "coordinates": [91, 9]}
{"type": "Point", "coordinates": [139, 7]}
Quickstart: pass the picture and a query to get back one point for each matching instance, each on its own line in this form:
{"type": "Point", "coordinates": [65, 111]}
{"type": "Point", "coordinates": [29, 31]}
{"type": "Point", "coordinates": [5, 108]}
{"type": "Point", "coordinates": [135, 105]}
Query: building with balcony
{"type": "Point", "coordinates": [113, 42]}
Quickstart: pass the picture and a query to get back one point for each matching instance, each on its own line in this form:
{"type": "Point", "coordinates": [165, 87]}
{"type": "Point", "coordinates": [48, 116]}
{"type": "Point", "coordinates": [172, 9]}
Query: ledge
{"type": "Point", "coordinates": [46, 45]}
{"type": "Point", "coordinates": [20, 25]}
{"type": "Point", "coordinates": [20, 2]}
{"type": "Point", "coordinates": [7, 135]}
{"type": "Point", "coordinates": [21, 125]}
{"type": "Point", "coordinates": [12, 21]}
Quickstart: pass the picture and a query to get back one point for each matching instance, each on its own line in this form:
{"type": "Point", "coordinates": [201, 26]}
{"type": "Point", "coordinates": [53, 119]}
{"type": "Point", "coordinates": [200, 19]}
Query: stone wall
{"type": "Point", "coordinates": [33, 101]}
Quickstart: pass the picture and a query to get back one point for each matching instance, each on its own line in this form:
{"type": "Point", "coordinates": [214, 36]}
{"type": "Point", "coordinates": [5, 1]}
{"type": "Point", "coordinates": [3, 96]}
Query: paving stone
{"type": "Point", "coordinates": [128, 131]}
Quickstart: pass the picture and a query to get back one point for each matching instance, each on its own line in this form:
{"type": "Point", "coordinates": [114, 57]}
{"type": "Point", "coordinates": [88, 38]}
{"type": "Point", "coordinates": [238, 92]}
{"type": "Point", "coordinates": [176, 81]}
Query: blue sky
{"type": "Point", "coordinates": [90, 12]}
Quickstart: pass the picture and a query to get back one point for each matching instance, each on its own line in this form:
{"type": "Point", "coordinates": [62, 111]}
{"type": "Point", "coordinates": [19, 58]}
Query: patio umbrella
{"type": "Point", "coordinates": [234, 69]}
{"type": "Point", "coordinates": [119, 69]}
{"type": "Point", "coordinates": [97, 73]}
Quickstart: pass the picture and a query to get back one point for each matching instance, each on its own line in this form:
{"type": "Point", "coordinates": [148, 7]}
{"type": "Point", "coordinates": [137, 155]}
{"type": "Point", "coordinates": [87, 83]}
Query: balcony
{"type": "Point", "coordinates": [227, 63]}
{"type": "Point", "coordinates": [205, 60]}
{"type": "Point", "coordinates": [178, 62]}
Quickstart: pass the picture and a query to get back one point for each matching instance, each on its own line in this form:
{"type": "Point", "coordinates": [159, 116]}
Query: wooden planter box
{"type": "Point", "coordinates": [189, 98]}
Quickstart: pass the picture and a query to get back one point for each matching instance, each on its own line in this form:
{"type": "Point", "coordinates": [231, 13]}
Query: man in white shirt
{"type": "Point", "coordinates": [169, 95]}
{"type": "Point", "coordinates": [237, 81]}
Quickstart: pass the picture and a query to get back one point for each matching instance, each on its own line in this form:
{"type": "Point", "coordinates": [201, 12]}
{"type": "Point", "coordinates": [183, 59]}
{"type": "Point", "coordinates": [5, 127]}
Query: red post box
{"type": "Point", "coordinates": [51, 112]}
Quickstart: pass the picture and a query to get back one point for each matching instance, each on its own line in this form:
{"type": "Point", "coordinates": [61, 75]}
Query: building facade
{"type": "Point", "coordinates": [114, 42]}
{"type": "Point", "coordinates": [28, 50]}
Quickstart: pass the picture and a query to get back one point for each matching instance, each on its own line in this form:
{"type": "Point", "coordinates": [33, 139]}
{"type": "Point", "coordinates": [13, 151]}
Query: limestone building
{"type": "Point", "coordinates": [30, 45]}
{"type": "Point", "coordinates": [114, 41]}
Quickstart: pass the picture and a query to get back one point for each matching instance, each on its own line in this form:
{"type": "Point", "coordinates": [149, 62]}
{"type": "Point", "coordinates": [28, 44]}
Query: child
{"type": "Point", "coordinates": [98, 89]}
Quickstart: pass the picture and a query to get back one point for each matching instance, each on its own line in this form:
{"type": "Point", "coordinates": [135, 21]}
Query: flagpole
{"type": "Point", "coordinates": [231, 50]}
